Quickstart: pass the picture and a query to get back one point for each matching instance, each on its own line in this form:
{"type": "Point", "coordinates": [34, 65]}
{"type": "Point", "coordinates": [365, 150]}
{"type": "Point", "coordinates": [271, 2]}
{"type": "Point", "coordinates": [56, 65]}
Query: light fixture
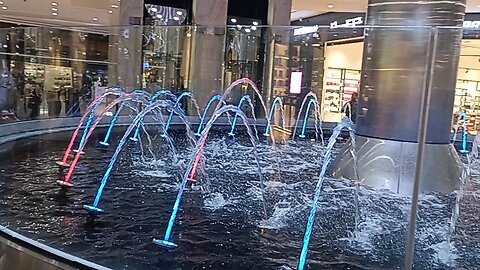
{"type": "Point", "coordinates": [54, 4]}
{"type": "Point", "coordinates": [247, 30]}
{"type": "Point", "coordinates": [233, 20]}
{"type": "Point", "coordinates": [159, 16]}
{"type": "Point", "coordinates": [300, 19]}
{"type": "Point", "coordinates": [179, 12]}
{"type": "Point", "coordinates": [54, 13]}
{"type": "Point", "coordinates": [176, 18]}
{"type": "Point", "coordinates": [54, 9]}
{"type": "Point", "coordinates": [114, 6]}
{"type": "Point", "coordinates": [255, 23]}
{"type": "Point", "coordinates": [95, 19]}
{"type": "Point", "coordinates": [110, 11]}
{"type": "Point", "coordinates": [154, 9]}
{"type": "Point", "coordinates": [189, 34]}
{"type": "Point", "coordinates": [239, 26]}
{"type": "Point", "coordinates": [329, 6]}
{"type": "Point", "coordinates": [4, 8]}
{"type": "Point", "coordinates": [1, 2]}
{"type": "Point", "coordinates": [254, 28]}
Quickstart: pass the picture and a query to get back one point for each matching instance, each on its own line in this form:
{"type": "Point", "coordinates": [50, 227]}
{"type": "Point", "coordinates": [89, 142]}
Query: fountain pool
{"type": "Point", "coordinates": [221, 223]}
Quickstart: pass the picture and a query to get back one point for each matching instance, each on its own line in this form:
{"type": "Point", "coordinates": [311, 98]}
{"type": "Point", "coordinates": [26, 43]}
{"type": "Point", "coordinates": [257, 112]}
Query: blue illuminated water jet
{"type": "Point", "coordinates": [204, 116]}
{"type": "Point", "coordinates": [166, 241]}
{"type": "Point", "coordinates": [345, 123]}
{"type": "Point", "coordinates": [177, 104]}
{"type": "Point", "coordinates": [307, 115]}
{"type": "Point", "coordinates": [154, 98]}
{"type": "Point", "coordinates": [277, 101]}
{"type": "Point", "coordinates": [163, 104]}
{"type": "Point", "coordinates": [240, 104]}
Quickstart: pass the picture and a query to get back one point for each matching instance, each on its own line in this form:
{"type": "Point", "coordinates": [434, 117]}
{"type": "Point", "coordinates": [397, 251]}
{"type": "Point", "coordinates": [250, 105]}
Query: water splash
{"type": "Point", "coordinates": [177, 104]}
{"type": "Point", "coordinates": [258, 94]}
{"type": "Point", "coordinates": [205, 112]}
{"type": "Point", "coordinates": [89, 111]}
{"type": "Point", "coordinates": [166, 242]}
{"type": "Point", "coordinates": [215, 201]}
{"type": "Point", "coordinates": [133, 96]}
{"type": "Point", "coordinates": [156, 105]}
{"type": "Point", "coordinates": [345, 123]}
{"type": "Point", "coordinates": [244, 99]}
{"type": "Point", "coordinates": [114, 120]}
{"type": "Point", "coordinates": [110, 127]}
{"type": "Point", "coordinates": [157, 95]}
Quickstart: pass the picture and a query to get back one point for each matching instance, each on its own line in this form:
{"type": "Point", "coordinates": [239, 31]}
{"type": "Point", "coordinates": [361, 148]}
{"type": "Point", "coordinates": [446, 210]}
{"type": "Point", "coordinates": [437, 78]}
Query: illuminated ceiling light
{"type": "Point", "coordinates": [255, 23]}
{"type": "Point", "coordinates": [154, 9]}
{"type": "Point", "coordinates": [254, 28]}
{"type": "Point", "coordinates": [1, 2]}
{"type": "Point", "coordinates": [239, 26]}
{"type": "Point", "coordinates": [329, 6]}
{"type": "Point", "coordinates": [95, 19]}
{"type": "Point", "coordinates": [159, 16]}
{"type": "Point", "coordinates": [110, 11]}
{"type": "Point", "coordinates": [114, 6]}
{"type": "Point", "coordinates": [300, 19]}
{"type": "Point", "coordinates": [4, 8]}
{"type": "Point", "coordinates": [247, 30]}
{"type": "Point", "coordinates": [54, 13]}
{"type": "Point", "coordinates": [233, 20]}
{"type": "Point", "coordinates": [176, 18]}
{"type": "Point", "coordinates": [54, 4]}
{"type": "Point", "coordinates": [179, 13]}
{"type": "Point", "coordinates": [54, 9]}
{"type": "Point", "coordinates": [189, 35]}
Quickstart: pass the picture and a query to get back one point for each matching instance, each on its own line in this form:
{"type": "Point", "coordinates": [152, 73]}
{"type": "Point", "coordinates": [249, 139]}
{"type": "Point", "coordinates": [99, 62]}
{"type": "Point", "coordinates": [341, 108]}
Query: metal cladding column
{"type": "Point", "coordinates": [395, 66]}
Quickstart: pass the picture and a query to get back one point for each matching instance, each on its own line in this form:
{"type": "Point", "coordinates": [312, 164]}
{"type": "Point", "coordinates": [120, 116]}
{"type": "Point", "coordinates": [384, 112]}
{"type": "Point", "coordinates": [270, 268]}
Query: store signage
{"type": "Point", "coordinates": [296, 82]}
{"type": "Point", "coordinates": [305, 30]}
{"type": "Point", "coordinates": [471, 24]}
{"type": "Point", "coordinates": [348, 23]}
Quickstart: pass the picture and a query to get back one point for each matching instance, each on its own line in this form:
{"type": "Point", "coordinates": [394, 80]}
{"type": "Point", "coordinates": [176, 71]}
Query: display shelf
{"type": "Point", "coordinates": [467, 99]}
{"type": "Point", "coordinates": [340, 84]}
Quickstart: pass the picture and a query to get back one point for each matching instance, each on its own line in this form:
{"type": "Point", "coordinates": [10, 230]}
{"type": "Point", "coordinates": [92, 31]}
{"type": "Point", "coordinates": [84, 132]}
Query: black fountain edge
{"type": "Point", "coordinates": [19, 247]}
{"type": "Point", "coordinates": [23, 248]}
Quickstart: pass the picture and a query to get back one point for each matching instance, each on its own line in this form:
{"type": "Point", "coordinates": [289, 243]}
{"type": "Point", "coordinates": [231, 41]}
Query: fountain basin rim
{"type": "Point", "coordinates": [45, 254]}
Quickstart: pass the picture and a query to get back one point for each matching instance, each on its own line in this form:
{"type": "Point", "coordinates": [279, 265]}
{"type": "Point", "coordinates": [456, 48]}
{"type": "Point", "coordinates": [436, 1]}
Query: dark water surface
{"type": "Point", "coordinates": [221, 223]}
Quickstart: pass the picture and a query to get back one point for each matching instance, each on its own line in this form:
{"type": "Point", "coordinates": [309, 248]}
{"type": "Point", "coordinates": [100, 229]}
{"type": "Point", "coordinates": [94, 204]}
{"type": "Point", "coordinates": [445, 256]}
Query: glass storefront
{"type": "Point", "coordinates": [51, 72]}
{"type": "Point", "coordinates": [56, 72]}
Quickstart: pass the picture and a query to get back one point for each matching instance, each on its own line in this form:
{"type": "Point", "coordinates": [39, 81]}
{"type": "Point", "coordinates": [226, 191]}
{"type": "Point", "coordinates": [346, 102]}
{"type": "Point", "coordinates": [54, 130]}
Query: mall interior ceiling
{"type": "Point", "coordinates": [105, 12]}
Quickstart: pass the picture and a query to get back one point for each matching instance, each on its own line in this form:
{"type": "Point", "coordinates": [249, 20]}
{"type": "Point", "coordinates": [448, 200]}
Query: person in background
{"type": "Point", "coordinates": [350, 108]}
{"type": "Point", "coordinates": [34, 101]}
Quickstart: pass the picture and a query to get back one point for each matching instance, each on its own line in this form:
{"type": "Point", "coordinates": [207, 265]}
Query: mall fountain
{"type": "Point", "coordinates": [138, 182]}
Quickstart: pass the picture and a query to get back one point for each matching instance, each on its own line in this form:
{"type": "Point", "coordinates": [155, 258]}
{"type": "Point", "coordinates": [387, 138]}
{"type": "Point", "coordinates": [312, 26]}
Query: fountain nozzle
{"type": "Point", "coordinates": [64, 184]}
{"type": "Point", "coordinates": [81, 152]}
{"type": "Point", "coordinates": [105, 144]}
{"type": "Point", "coordinates": [92, 209]}
{"type": "Point", "coordinates": [165, 243]}
{"type": "Point", "coordinates": [63, 164]}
